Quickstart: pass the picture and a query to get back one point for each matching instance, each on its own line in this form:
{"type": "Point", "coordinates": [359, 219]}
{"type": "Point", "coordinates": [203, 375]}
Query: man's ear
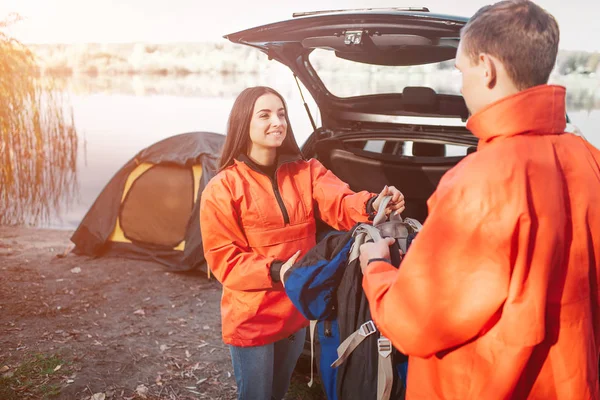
{"type": "Point", "coordinates": [489, 70]}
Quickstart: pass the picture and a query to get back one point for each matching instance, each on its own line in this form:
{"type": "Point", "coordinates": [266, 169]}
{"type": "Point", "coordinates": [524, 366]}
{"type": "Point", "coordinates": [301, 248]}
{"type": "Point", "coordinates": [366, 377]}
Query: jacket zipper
{"type": "Point", "coordinates": [286, 216]}
{"type": "Point", "coordinates": [273, 179]}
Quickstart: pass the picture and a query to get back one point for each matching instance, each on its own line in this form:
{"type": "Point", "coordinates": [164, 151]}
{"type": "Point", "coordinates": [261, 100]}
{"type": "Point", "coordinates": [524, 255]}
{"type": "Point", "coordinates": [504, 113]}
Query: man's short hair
{"type": "Point", "coordinates": [521, 34]}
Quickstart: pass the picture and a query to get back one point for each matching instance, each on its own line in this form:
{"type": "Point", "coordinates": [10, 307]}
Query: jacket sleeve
{"type": "Point", "coordinates": [338, 206]}
{"type": "Point", "coordinates": [226, 248]}
{"type": "Point", "coordinates": [452, 281]}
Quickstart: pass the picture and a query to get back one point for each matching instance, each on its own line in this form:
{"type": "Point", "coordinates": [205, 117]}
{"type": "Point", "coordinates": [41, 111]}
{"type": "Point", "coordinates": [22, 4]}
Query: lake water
{"type": "Point", "coordinates": [114, 122]}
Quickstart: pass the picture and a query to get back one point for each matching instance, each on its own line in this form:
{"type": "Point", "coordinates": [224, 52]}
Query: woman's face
{"type": "Point", "coordinates": [268, 126]}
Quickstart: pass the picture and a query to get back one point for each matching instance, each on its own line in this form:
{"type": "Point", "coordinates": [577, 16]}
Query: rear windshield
{"type": "Point", "coordinates": [345, 78]}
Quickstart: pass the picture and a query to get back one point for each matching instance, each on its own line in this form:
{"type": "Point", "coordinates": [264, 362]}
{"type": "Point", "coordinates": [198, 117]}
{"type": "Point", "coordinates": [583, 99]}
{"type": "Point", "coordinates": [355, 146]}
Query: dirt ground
{"type": "Point", "coordinates": [73, 327]}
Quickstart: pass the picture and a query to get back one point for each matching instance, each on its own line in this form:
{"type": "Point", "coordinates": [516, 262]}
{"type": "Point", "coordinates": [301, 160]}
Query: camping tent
{"type": "Point", "coordinates": [150, 208]}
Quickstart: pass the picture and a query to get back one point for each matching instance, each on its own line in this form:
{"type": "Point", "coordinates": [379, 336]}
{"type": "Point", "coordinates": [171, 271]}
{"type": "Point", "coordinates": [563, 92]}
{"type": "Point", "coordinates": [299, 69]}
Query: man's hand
{"type": "Point", "coordinates": [396, 204]}
{"type": "Point", "coordinates": [287, 265]}
{"type": "Point", "coordinates": [379, 249]}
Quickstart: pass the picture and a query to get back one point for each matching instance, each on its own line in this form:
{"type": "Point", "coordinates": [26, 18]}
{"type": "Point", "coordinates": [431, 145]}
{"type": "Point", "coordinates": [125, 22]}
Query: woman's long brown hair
{"type": "Point", "coordinates": [238, 127]}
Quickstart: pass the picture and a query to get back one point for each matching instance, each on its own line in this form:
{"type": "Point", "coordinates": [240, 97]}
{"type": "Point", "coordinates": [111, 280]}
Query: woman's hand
{"type": "Point", "coordinates": [287, 265]}
{"type": "Point", "coordinates": [396, 204]}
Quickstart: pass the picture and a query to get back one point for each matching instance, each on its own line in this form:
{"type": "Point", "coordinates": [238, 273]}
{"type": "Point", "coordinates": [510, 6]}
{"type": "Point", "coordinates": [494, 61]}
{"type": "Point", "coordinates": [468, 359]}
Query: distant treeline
{"type": "Point", "coordinates": [177, 59]}
{"type": "Point", "coordinates": [567, 62]}
{"type": "Point", "coordinates": [579, 62]}
{"type": "Point", "coordinates": [204, 58]}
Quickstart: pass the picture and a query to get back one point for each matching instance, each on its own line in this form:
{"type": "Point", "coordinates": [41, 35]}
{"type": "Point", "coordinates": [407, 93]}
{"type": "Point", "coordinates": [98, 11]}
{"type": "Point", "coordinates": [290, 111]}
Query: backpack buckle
{"type": "Point", "coordinates": [384, 346]}
{"type": "Point", "coordinates": [367, 329]}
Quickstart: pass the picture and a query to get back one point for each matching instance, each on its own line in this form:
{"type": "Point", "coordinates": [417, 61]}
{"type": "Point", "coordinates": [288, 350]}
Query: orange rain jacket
{"type": "Point", "coordinates": [497, 297]}
{"type": "Point", "coordinates": [244, 229]}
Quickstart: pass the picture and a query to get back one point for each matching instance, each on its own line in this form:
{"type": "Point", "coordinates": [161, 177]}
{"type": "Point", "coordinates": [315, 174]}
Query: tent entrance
{"type": "Point", "coordinates": [156, 205]}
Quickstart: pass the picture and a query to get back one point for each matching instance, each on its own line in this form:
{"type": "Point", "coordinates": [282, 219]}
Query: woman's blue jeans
{"type": "Point", "coordinates": [264, 372]}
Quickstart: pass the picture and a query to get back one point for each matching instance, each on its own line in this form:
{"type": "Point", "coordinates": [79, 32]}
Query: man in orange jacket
{"type": "Point", "coordinates": [497, 297]}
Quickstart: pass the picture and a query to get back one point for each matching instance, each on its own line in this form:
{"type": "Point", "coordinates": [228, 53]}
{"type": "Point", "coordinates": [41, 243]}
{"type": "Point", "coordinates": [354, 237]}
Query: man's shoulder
{"type": "Point", "coordinates": [487, 174]}
{"type": "Point", "coordinates": [489, 165]}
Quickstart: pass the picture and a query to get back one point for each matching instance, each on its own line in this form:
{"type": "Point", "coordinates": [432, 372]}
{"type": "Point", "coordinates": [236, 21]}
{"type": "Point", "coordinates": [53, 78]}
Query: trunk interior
{"type": "Point", "coordinates": [414, 166]}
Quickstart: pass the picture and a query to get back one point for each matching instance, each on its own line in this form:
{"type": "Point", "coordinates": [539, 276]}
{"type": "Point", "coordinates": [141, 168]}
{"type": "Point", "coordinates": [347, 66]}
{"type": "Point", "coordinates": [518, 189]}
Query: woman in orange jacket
{"type": "Point", "coordinates": [257, 212]}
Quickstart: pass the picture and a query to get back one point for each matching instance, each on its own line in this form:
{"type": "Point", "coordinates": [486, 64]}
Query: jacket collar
{"type": "Point", "coordinates": [283, 158]}
{"type": "Point", "coordinates": [539, 110]}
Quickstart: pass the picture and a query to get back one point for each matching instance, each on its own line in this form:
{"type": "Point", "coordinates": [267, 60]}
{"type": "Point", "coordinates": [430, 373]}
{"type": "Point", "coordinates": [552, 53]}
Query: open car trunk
{"type": "Point", "coordinates": [412, 163]}
{"type": "Point", "coordinates": [408, 137]}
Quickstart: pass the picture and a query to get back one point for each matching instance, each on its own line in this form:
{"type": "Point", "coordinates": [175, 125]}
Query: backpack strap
{"type": "Point", "coordinates": [359, 238]}
{"type": "Point", "coordinates": [361, 234]}
{"type": "Point", "coordinates": [352, 341]}
{"type": "Point", "coordinates": [385, 369]}
{"type": "Point", "coordinates": [413, 223]}
{"type": "Point", "coordinates": [371, 231]}
{"type": "Point", "coordinates": [380, 216]}
{"type": "Point", "coordinates": [311, 329]}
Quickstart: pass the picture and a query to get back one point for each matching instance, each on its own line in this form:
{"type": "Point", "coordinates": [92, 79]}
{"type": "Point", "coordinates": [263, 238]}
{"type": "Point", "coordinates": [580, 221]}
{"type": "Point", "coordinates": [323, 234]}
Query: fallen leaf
{"type": "Point", "coordinates": [201, 381]}
{"type": "Point", "coordinates": [98, 396]}
{"type": "Point", "coordinates": [57, 368]}
{"type": "Point", "coordinates": [187, 354]}
{"type": "Point", "coordinates": [4, 368]}
{"type": "Point", "coordinates": [163, 347]}
{"type": "Point", "coordinates": [70, 381]}
{"type": "Point", "coordinates": [76, 270]}
{"type": "Point", "coordinates": [142, 391]}
{"type": "Point", "coordinates": [139, 312]}
{"type": "Point", "coordinates": [206, 327]}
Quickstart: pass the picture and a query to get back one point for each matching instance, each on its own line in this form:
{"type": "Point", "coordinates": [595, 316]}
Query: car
{"type": "Point", "coordinates": [376, 127]}
{"type": "Point", "coordinates": [375, 133]}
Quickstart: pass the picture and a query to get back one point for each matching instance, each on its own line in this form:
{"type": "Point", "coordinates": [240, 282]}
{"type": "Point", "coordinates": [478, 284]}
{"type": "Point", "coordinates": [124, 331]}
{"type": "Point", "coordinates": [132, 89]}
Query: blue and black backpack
{"type": "Point", "coordinates": [355, 360]}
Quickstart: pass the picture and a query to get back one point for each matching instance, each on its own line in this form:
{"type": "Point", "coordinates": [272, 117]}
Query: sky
{"type": "Point", "coordinates": [153, 21]}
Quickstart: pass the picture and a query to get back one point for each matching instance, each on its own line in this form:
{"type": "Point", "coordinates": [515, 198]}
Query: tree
{"type": "Point", "coordinates": [38, 145]}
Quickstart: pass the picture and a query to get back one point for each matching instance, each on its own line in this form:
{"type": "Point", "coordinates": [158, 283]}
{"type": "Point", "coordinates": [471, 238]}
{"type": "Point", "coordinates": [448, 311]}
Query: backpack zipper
{"type": "Point", "coordinates": [328, 327]}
